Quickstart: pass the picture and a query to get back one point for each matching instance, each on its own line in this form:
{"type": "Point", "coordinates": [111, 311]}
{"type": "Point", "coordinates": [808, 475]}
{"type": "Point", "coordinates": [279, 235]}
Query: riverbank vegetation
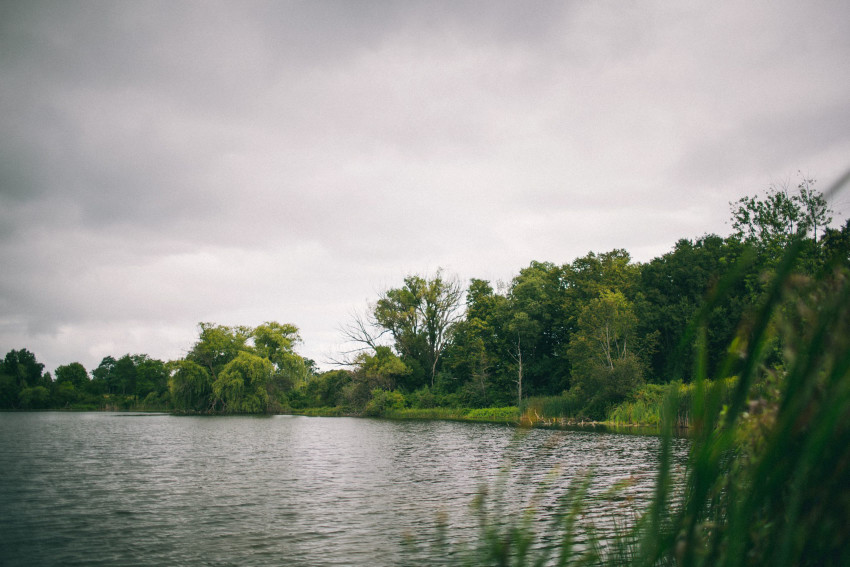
{"type": "Point", "coordinates": [601, 338]}
{"type": "Point", "coordinates": [768, 469]}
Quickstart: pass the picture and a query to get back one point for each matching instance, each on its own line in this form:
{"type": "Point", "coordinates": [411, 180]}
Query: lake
{"type": "Point", "coordinates": [155, 489]}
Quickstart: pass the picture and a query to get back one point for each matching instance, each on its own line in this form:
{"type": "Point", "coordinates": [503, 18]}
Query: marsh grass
{"type": "Point", "coordinates": [491, 415]}
{"type": "Point", "coordinates": [768, 476]}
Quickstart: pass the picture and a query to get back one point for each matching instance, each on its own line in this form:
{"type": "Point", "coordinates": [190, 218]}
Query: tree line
{"type": "Point", "coordinates": [593, 331]}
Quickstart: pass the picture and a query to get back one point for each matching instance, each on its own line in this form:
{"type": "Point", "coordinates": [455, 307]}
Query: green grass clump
{"type": "Point", "coordinates": [496, 415]}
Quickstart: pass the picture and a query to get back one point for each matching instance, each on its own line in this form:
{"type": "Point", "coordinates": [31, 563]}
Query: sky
{"type": "Point", "coordinates": [168, 163]}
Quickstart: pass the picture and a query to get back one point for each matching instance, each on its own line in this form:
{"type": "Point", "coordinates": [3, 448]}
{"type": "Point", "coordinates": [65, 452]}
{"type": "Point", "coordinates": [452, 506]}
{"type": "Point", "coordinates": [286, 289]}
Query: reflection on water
{"type": "Point", "coordinates": [102, 489]}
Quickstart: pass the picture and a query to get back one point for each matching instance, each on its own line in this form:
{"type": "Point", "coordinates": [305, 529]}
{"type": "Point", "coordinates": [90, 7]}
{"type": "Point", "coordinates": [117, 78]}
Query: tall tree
{"type": "Point", "coordinates": [74, 374]}
{"type": "Point", "coordinates": [190, 385]}
{"type": "Point", "coordinates": [772, 220]}
{"type": "Point", "coordinates": [242, 385]}
{"type": "Point", "coordinates": [217, 345]}
{"type": "Point", "coordinates": [536, 324]}
{"type": "Point", "coordinates": [421, 316]}
{"type": "Point", "coordinates": [605, 365]}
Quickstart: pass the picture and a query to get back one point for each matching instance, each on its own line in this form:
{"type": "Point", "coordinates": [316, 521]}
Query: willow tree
{"type": "Point", "coordinates": [239, 369]}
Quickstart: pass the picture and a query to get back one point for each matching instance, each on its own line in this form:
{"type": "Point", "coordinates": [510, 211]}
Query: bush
{"type": "Point", "coordinates": [383, 401]}
{"type": "Point", "coordinates": [422, 398]}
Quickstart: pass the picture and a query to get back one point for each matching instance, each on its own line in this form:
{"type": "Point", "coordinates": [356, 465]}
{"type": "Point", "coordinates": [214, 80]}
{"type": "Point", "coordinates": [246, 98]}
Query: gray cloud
{"type": "Point", "coordinates": [167, 163]}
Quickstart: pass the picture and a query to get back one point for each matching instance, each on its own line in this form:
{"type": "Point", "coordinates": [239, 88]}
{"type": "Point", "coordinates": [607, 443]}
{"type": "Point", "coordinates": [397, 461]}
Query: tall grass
{"type": "Point", "coordinates": [538, 408]}
{"type": "Point", "coordinates": [646, 405]}
{"type": "Point", "coordinates": [493, 415]}
{"type": "Point", "coordinates": [768, 476]}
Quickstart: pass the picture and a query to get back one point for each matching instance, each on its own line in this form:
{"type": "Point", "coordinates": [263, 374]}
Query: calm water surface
{"type": "Point", "coordinates": [142, 489]}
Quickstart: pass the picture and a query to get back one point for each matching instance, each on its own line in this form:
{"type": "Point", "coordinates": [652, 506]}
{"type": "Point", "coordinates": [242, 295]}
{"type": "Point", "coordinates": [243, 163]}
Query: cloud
{"type": "Point", "coordinates": [164, 164]}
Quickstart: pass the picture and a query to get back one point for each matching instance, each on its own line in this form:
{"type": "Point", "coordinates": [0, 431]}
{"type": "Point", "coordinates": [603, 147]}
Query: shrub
{"type": "Point", "coordinates": [383, 401]}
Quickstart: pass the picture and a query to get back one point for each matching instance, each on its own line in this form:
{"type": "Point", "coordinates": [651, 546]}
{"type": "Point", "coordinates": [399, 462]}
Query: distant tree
{"type": "Point", "coordinates": [380, 371]}
{"type": "Point", "coordinates": [239, 369]}
{"type": "Point", "coordinates": [102, 379]}
{"type": "Point", "coordinates": [671, 290]}
{"type": "Point", "coordinates": [190, 386]}
{"type": "Point", "coordinates": [151, 376]}
{"type": "Point", "coordinates": [477, 355]}
{"type": "Point", "coordinates": [217, 345]}
{"type": "Point", "coordinates": [74, 374]}
{"type": "Point", "coordinates": [605, 365]}
{"type": "Point", "coordinates": [535, 324]}
{"type": "Point", "coordinates": [421, 316]}
{"type": "Point", "coordinates": [772, 220]}
{"type": "Point", "coordinates": [23, 367]}
{"type": "Point", "coordinates": [815, 212]}
{"type": "Point", "coordinates": [242, 385]}
{"type": "Point", "coordinates": [36, 397]}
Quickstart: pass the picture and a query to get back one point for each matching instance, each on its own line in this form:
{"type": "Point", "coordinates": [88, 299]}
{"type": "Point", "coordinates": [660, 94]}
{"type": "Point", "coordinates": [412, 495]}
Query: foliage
{"type": "Point", "coordinates": [768, 470]}
{"type": "Point", "coordinates": [190, 386]}
{"type": "Point", "coordinates": [421, 317]}
{"type": "Point", "coordinates": [382, 402]}
{"type": "Point", "coordinates": [239, 369]}
{"type": "Point", "coordinates": [494, 415]}
{"type": "Point", "coordinates": [241, 387]}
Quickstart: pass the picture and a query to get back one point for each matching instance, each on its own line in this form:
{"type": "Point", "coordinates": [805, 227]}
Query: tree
{"type": "Point", "coordinates": [242, 385]}
{"type": "Point", "coordinates": [671, 290]}
{"type": "Point", "coordinates": [190, 385]}
{"type": "Point", "coordinates": [477, 356]}
{"type": "Point", "coordinates": [605, 365]}
{"type": "Point", "coordinates": [217, 345]}
{"type": "Point", "coordinates": [363, 332]}
{"type": "Point", "coordinates": [71, 383]}
{"type": "Point", "coordinates": [771, 221]}
{"type": "Point", "coordinates": [815, 212]}
{"type": "Point", "coordinates": [73, 373]}
{"type": "Point", "coordinates": [239, 369]}
{"type": "Point", "coordinates": [276, 342]}
{"type": "Point", "coordinates": [22, 366]}
{"type": "Point", "coordinates": [382, 371]}
{"type": "Point", "coordinates": [535, 323]}
{"type": "Point", "coordinates": [421, 317]}
{"type": "Point", "coordinates": [151, 377]}
{"type": "Point", "coordinates": [102, 375]}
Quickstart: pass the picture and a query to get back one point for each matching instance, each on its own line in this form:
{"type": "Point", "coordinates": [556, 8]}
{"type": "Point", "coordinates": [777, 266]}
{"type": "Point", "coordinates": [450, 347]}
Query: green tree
{"type": "Point", "coordinates": [769, 222]}
{"type": "Point", "coordinates": [477, 354]}
{"type": "Point", "coordinates": [276, 342]}
{"type": "Point", "coordinates": [23, 367]}
{"type": "Point", "coordinates": [102, 377]}
{"type": "Point", "coordinates": [245, 370]}
{"type": "Point", "coordinates": [606, 367]}
{"type": "Point", "coordinates": [421, 316]}
{"type": "Point", "coordinates": [36, 397]}
{"type": "Point", "coordinates": [74, 374]}
{"type": "Point", "coordinates": [71, 384]}
{"type": "Point", "coordinates": [190, 386]}
{"type": "Point", "coordinates": [217, 345]}
{"type": "Point", "coordinates": [242, 385]}
{"type": "Point", "coordinates": [534, 327]}
{"type": "Point", "coordinates": [19, 371]}
{"type": "Point", "coordinates": [380, 371]}
{"type": "Point", "coordinates": [151, 377]}
{"type": "Point", "coordinates": [326, 389]}
{"type": "Point", "coordinates": [672, 289]}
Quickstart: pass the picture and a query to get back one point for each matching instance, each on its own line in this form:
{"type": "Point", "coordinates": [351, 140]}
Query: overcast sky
{"type": "Point", "coordinates": [166, 163]}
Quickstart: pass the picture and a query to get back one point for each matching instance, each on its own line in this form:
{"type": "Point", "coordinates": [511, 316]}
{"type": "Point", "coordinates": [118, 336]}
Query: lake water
{"type": "Point", "coordinates": [142, 489]}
